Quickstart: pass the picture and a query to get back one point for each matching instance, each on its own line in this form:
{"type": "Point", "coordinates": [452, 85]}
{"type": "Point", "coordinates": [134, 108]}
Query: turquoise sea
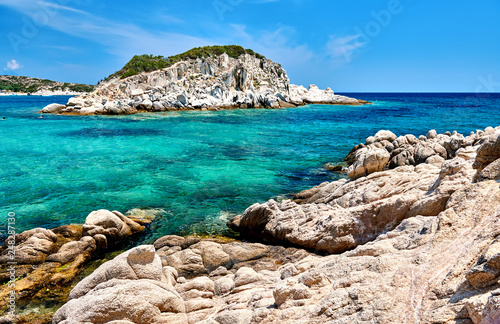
{"type": "Point", "coordinates": [200, 168]}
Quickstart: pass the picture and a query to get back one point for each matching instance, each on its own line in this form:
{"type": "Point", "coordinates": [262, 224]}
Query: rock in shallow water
{"type": "Point", "coordinates": [371, 157]}
{"type": "Point", "coordinates": [52, 108]}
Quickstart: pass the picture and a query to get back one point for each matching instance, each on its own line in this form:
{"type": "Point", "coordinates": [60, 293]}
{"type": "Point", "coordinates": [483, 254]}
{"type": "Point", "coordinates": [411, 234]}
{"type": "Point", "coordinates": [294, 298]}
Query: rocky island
{"type": "Point", "coordinates": [207, 78]}
{"type": "Point", "coordinates": [411, 237]}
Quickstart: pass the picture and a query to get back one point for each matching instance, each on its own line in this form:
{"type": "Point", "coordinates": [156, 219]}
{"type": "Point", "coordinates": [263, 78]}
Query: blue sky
{"type": "Point", "coordinates": [362, 45]}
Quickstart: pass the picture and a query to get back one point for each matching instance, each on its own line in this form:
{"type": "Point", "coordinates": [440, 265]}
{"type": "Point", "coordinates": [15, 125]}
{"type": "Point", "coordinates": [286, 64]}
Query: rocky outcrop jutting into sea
{"type": "Point", "coordinates": [38, 259]}
{"type": "Point", "coordinates": [206, 83]}
{"type": "Point", "coordinates": [418, 243]}
{"type": "Point", "coordinates": [334, 217]}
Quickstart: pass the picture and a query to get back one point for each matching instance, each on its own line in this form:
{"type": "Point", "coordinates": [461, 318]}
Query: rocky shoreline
{"type": "Point", "coordinates": [412, 237]}
{"type": "Point", "coordinates": [209, 83]}
{"type": "Point", "coordinates": [42, 264]}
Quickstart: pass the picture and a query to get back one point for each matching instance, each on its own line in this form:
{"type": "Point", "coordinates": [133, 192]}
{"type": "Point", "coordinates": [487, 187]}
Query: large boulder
{"type": "Point", "coordinates": [488, 152]}
{"type": "Point", "coordinates": [76, 101]}
{"type": "Point", "coordinates": [113, 225]}
{"type": "Point", "coordinates": [52, 108]}
{"type": "Point", "coordinates": [384, 135]}
{"type": "Point", "coordinates": [140, 301]}
{"type": "Point", "coordinates": [29, 247]}
{"type": "Point", "coordinates": [138, 263]}
{"type": "Point", "coordinates": [368, 160]}
{"type": "Point", "coordinates": [71, 250]}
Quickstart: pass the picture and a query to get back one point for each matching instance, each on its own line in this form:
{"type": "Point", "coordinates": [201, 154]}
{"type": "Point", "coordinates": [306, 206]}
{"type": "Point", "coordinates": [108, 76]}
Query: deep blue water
{"type": "Point", "coordinates": [199, 167]}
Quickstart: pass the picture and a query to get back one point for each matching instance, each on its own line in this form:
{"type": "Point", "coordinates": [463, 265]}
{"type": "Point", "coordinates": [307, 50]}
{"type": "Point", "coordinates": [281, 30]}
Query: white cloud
{"type": "Point", "coordinates": [61, 48]}
{"type": "Point", "coordinates": [168, 19]}
{"type": "Point", "coordinates": [13, 65]}
{"type": "Point", "coordinates": [262, 1]}
{"type": "Point", "coordinates": [41, 7]}
{"type": "Point", "coordinates": [59, 7]}
{"type": "Point", "coordinates": [122, 39]}
{"type": "Point", "coordinates": [344, 47]}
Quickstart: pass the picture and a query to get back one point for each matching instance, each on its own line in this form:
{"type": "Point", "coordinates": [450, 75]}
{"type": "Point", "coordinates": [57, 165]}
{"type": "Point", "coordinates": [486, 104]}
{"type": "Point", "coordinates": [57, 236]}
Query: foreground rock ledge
{"type": "Point", "coordinates": [338, 216]}
{"type": "Point", "coordinates": [210, 83]}
{"type": "Point", "coordinates": [41, 259]}
{"type": "Point", "coordinates": [437, 260]}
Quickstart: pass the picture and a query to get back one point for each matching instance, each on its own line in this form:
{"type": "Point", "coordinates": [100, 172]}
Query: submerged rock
{"type": "Point", "coordinates": [334, 168]}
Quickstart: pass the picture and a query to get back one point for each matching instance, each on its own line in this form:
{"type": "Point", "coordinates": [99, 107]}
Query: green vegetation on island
{"type": "Point", "coordinates": [149, 63]}
{"type": "Point", "coordinates": [25, 84]}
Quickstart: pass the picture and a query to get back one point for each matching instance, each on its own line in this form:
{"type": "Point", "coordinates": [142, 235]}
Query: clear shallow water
{"type": "Point", "coordinates": [200, 167]}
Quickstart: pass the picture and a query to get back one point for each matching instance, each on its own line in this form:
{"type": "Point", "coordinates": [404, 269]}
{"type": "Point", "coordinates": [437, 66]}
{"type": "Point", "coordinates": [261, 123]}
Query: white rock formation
{"type": "Point", "coordinates": [368, 160]}
{"type": "Point", "coordinates": [208, 83]}
{"type": "Point", "coordinates": [386, 151]}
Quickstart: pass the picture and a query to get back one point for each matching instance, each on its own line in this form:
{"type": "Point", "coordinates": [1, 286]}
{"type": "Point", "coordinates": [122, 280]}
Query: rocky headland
{"type": "Point", "coordinates": [411, 237]}
{"type": "Point", "coordinates": [210, 78]}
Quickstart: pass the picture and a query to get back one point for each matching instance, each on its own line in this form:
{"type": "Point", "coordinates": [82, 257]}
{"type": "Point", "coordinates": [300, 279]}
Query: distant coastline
{"type": "Point", "coordinates": [41, 94]}
{"type": "Point", "coordinates": [12, 85]}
